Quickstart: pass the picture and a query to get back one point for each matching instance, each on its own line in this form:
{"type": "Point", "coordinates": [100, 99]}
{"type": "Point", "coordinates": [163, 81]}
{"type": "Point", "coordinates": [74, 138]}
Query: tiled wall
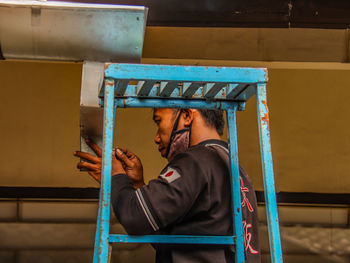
{"type": "Point", "coordinates": [50, 231]}
{"type": "Point", "coordinates": [56, 231]}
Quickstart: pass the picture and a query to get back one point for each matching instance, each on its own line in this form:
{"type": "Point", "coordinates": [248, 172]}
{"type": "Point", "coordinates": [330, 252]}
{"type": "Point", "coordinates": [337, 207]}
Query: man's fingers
{"type": "Point", "coordinates": [122, 149]}
{"type": "Point", "coordinates": [89, 166]}
{"type": "Point", "coordinates": [124, 158]}
{"type": "Point", "coordinates": [126, 152]}
{"type": "Point", "coordinates": [87, 156]}
{"type": "Point", "coordinates": [94, 147]}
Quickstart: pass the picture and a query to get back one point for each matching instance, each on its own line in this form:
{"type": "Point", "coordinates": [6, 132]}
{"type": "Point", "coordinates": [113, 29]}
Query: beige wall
{"type": "Point", "coordinates": [40, 126]}
{"type": "Point", "coordinates": [309, 127]}
{"type": "Point", "coordinates": [248, 44]}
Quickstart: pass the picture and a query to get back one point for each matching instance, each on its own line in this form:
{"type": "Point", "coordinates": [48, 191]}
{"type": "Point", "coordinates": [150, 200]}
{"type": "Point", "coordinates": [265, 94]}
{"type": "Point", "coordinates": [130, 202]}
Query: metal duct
{"type": "Point", "coordinates": [91, 114]}
{"type": "Point", "coordinates": [74, 32]}
{"type": "Point", "coordinates": [71, 31]}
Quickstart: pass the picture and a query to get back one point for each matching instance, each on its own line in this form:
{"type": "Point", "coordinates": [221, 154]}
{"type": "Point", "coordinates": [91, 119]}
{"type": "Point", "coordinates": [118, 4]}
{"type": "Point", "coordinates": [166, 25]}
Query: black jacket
{"type": "Point", "coordinates": [192, 196]}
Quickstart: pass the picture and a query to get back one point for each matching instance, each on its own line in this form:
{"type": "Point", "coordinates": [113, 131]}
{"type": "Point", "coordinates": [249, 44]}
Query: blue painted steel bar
{"type": "Point", "coordinates": [194, 90]}
{"type": "Point", "coordinates": [190, 88]}
{"type": "Point", "coordinates": [167, 88]}
{"type": "Point", "coordinates": [120, 87]}
{"type": "Point", "coordinates": [173, 239]}
{"type": "Point", "coordinates": [98, 223]}
{"type": "Point", "coordinates": [185, 73]}
{"type": "Point", "coordinates": [104, 216]}
{"type": "Point", "coordinates": [174, 103]}
{"type": "Point", "coordinates": [144, 87]}
{"type": "Point", "coordinates": [235, 186]}
{"type": "Point", "coordinates": [247, 93]}
{"type": "Point", "coordinates": [212, 89]}
{"type": "Point", "coordinates": [268, 176]}
{"type": "Point", "coordinates": [235, 89]}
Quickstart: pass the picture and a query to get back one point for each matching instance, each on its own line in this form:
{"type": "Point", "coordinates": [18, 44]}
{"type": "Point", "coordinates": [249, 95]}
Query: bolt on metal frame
{"type": "Point", "coordinates": [163, 86]}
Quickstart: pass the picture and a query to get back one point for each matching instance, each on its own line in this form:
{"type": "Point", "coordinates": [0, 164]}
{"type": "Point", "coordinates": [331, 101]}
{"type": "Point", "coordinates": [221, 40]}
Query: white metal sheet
{"type": "Point", "coordinates": [71, 31]}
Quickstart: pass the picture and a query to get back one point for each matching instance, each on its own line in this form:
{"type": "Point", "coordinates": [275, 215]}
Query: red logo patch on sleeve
{"type": "Point", "coordinates": [170, 175]}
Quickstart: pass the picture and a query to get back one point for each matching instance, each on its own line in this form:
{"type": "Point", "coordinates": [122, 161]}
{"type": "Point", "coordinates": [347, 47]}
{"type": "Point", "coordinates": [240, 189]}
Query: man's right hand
{"type": "Point", "coordinates": [132, 165]}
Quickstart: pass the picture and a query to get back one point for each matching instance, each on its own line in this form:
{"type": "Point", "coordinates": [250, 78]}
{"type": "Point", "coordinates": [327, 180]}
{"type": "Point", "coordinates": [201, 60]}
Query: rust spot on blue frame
{"type": "Point", "coordinates": [109, 82]}
{"type": "Point", "coordinates": [265, 118]}
{"type": "Point", "coordinates": [106, 65]}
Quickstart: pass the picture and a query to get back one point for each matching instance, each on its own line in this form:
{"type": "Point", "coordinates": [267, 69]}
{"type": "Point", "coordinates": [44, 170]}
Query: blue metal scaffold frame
{"type": "Point", "coordinates": [162, 86]}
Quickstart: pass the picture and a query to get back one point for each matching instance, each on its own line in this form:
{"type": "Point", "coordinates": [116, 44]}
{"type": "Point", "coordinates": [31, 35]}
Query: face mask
{"type": "Point", "coordinates": [179, 140]}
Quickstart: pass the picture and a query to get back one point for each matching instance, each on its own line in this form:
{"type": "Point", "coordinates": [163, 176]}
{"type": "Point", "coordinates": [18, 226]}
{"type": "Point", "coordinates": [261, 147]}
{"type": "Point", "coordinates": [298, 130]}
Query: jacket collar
{"type": "Point", "coordinates": [214, 141]}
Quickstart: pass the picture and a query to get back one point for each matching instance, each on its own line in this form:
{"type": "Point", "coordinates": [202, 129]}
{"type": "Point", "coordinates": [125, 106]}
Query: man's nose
{"type": "Point", "coordinates": [157, 139]}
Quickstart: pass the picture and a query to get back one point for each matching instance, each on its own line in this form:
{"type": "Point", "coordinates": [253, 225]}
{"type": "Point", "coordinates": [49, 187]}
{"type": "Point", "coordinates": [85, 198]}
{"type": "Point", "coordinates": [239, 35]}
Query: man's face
{"type": "Point", "coordinates": [164, 118]}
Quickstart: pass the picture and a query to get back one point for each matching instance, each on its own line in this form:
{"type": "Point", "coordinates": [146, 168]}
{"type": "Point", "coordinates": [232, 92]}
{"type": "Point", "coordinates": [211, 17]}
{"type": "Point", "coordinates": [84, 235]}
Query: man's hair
{"type": "Point", "coordinates": [213, 118]}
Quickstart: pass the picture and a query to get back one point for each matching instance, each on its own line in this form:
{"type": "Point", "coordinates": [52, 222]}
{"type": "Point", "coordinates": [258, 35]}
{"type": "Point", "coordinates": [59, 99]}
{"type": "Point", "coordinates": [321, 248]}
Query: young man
{"type": "Point", "coordinates": [191, 196]}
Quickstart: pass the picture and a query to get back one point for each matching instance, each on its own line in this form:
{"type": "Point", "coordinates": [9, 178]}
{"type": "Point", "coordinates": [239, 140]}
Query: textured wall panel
{"type": "Point", "coordinates": [58, 211]}
{"type": "Point", "coordinates": [49, 235]}
{"type": "Point", "coordinates": [309, 215]}
{"type": "Point", "coordinates": [8, 211]}
{"type": "Point", "coordinates": [7, 257]}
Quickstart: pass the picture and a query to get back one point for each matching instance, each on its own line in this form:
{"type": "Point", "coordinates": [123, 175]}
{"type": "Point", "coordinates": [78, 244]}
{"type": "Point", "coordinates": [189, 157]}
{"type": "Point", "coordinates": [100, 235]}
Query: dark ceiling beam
{"type": "Point", "coordinates": [242, 13]}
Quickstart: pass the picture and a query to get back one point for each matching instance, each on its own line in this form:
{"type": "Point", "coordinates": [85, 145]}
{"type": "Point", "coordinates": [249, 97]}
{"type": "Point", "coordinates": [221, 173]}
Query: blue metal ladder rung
{"type": "Point", "coordinates": [184, 73]}
{"type": "Point", "coordinates": [188, 90]}
{"type": "Point", "coordinates": [174, 103]}
{"type": "Point", "coordinates": [173, 239]}
{"type": "Point", "coordinates": [167, 88]}
{"type": "Point", "coordinates": [183, 82]}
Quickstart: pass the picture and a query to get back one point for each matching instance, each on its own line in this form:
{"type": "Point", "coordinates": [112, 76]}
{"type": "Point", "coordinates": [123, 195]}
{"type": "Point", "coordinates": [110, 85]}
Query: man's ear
{"type": "Point", "coordinates": [188, 115]}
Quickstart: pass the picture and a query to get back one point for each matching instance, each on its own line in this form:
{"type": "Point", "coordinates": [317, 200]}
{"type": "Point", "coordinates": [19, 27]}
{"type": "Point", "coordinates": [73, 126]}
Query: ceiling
{"type": "Point", "coordinates": [242, 13]}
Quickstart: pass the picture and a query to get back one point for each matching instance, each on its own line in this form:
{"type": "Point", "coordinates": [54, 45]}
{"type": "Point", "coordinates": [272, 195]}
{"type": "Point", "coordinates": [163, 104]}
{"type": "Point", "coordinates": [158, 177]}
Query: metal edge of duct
{"type": "Point", "coordinates": [62, 31]}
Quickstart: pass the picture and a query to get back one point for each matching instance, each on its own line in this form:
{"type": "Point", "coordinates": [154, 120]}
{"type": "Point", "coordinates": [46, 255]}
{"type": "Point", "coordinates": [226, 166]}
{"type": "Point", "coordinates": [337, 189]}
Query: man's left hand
{"type": "Point", "coordinates": [94, 166]}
